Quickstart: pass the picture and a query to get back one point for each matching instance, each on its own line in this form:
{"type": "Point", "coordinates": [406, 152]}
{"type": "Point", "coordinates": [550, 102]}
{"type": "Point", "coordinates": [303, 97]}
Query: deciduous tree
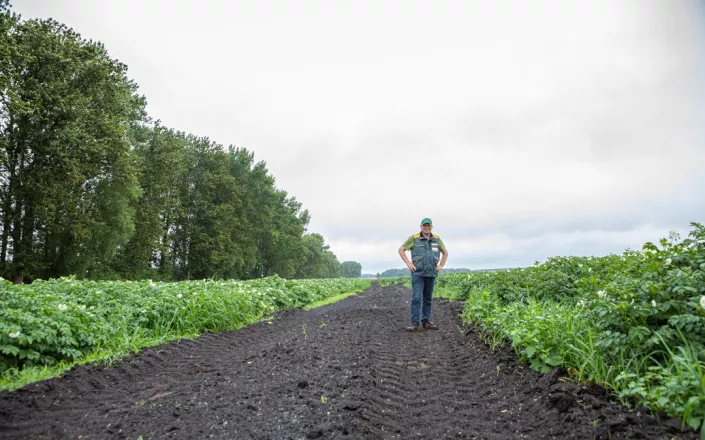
{"type": "Point", "coordinates": [67, 184]}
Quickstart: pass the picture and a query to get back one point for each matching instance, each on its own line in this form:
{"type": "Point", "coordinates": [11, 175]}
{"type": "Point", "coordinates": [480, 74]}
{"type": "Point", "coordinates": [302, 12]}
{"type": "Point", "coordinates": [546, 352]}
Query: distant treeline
{"type": "Point", "coordinates": [389, 273]}
{"type": "Point", "coordinates": [91, 186]}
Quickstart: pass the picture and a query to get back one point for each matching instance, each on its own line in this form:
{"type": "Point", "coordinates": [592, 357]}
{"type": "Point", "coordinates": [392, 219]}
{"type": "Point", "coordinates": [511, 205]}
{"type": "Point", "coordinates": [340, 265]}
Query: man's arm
{"type": "Point", "coordinates": [443, 260]}
{"type": "Point", "coordinates": [409, 264]}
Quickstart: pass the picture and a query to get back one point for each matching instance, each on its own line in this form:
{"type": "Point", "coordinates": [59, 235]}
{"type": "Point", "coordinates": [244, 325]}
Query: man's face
{"type": "Point", "coordinates": [426, 228]}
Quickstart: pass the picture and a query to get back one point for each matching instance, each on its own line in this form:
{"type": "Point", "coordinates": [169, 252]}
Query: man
{"type": "Point", "coordinates": [426, 249]}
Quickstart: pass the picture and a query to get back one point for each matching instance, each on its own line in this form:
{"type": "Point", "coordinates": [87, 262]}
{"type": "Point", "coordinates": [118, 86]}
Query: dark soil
{"type": "Point", "coordinates": [345, 371]}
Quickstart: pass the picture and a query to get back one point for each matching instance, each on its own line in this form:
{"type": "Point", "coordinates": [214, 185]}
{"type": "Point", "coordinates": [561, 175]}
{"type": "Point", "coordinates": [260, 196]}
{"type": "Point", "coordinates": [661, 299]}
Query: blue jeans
{"type": "Point", "coordinates": [421, 288]}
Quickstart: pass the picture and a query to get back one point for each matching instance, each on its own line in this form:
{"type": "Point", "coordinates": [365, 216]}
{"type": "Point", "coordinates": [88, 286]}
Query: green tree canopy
{"type": "Point", "coordinates": [318, 261]}
{"type": "Point", "coordinates": [68, 181]}
{"type": "Point", "coordinates": [351, 269]}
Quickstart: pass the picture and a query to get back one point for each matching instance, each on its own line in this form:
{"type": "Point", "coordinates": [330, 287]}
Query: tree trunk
{"type": "Point", "coordinates": [18, 257]}
{"type": "Point", "coordinates": [164, 246]}
{"type": "Point", "coordinates": [6, 224]}
{"type": "Point", "coordinates": [28, 227]}
{"type": "Point", "coordinates": [7, 211]}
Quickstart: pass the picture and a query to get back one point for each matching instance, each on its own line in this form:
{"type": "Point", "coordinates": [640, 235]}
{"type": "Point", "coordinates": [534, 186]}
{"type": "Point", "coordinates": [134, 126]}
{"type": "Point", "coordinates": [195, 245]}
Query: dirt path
{"type": "Point", "coordinates": [344, 371]}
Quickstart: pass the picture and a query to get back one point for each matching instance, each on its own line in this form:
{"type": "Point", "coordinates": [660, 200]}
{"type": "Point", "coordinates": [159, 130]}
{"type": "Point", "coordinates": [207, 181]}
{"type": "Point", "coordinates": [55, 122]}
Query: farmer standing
{"type": "Point", "coordinates": [426, 249]}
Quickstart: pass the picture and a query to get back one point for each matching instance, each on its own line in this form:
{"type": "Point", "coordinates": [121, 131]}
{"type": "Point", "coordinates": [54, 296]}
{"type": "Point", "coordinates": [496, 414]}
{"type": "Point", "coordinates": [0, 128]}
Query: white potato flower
{"type": "Point", "coordinates": [13, 335]}
{"type": "Point", "coordinates": [702, 301]}
{"type": "Point", "coordinates": [653, 302]}
{"type": "Point", "coordinates": [63, 307]}
{"type": "Point", "coordinates": [581, 303]}
{"type": "Point", "coordinates": [668, 261]}
{"type": "Point", "coordinates": [601, 293]}
{"type": "Point", "coordinates": [179, 295]}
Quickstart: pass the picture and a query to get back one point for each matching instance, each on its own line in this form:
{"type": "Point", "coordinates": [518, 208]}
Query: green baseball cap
{"type": "Point", "coordinates": [426, 220]}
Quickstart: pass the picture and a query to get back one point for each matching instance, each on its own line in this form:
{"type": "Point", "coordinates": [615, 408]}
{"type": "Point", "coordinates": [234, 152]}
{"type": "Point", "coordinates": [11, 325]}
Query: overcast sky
{"type": "Point", "coordinates": [525, 130]}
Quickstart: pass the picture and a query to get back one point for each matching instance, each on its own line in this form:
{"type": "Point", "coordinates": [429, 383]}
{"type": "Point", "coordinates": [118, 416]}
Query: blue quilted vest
{"type": "Point", "coordinates": [425, 255]}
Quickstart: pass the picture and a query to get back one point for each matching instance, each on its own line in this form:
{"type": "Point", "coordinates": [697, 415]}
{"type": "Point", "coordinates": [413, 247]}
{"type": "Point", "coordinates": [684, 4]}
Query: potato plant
{"type": "Point", "coordinates": [65, 319]}
{"type": "Point", "coordinates": [633, 322]}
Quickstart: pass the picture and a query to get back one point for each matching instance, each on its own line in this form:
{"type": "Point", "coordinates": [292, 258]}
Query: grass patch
{"type": "Point", "coordinates": [450, 293]}
{"type": "Point", "coordinates": [331, 300]}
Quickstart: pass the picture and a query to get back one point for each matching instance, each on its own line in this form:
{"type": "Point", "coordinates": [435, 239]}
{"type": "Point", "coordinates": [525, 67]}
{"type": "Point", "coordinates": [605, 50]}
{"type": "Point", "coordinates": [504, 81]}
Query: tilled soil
{"type": "Point", "coordinates": [344, 371]}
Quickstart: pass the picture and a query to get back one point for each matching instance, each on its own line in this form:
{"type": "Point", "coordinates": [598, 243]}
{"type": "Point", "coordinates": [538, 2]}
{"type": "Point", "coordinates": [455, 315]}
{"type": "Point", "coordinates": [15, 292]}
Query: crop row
{"type": "Point", "coordinates": [65, 320]}
{"type": "Point", "coordinates": [634, 323]}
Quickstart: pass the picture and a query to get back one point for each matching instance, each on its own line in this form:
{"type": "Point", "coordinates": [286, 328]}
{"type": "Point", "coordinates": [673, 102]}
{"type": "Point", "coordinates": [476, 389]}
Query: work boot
{"type": "Point", "coordinates": [413, 327]}
{"type": "Point", "coordinates": [430, 326]}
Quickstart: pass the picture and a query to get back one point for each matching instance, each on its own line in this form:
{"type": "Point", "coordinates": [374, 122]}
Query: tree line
{"type": "Point", "coordinates": [405, 272]}
{"type": "Point", "coordinates": [91, 186]}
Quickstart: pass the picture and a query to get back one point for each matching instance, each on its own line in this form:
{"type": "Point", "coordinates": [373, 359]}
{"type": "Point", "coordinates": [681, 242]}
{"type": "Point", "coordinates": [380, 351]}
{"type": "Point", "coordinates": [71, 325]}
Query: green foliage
{"type": "Point", "coordinates": [160, 161]}
{"type": "Point", "coordinates": [393, 273]}
{"type": "Point", "coordinates": [404, 281]}
{"type": "Point", "coordinates": [68, 183]}
{"type": "Point", "coordinates": [390, 273]}
{"type": "Point", "coordinates": [351, 269]}
{"type": "Point", "coordinates": [539, 331]}
{"type": "Point", "coordinates": [327, 301]}
{"type": "Point", "coordinates": [677, 385]}
{"type": "Point", "coordinates": [318, 261]}
{"type": "Point", "coordinates": [635, 322]}
{"type": "Point", "coordinates": [62, 320]}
